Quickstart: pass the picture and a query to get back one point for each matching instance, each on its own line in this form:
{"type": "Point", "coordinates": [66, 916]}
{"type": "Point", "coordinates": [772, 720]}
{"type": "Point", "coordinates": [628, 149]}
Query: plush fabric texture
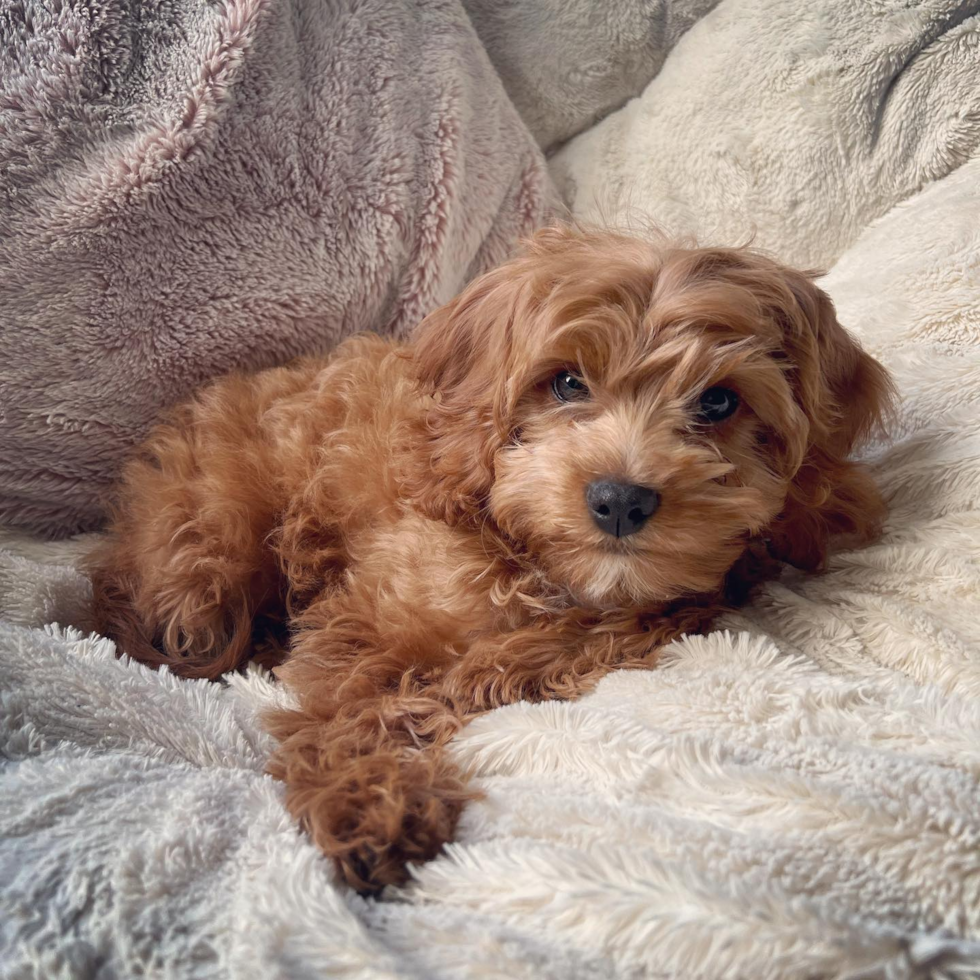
{"type": "Point", "coordinates": [188, 188]}
{"type": "Point", "coordinates": [798, 796]}
{"type": "Point", "coordinates": [567, 63]}
{"type": "Point", "coordinates": [791, 124]}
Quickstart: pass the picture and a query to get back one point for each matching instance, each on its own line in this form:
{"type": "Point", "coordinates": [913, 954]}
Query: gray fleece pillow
{"type": "Point", "coordinates": [187, 188]}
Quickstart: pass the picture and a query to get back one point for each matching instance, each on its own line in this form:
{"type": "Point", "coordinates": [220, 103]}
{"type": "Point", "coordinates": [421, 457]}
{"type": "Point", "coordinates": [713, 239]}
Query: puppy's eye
{"type": "Point", "coordinates": [717, 404]}
{"type": "Point", "coordinates": [568, 388]}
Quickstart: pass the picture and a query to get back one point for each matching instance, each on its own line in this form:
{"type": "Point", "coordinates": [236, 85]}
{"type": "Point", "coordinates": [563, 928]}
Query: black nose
{"type": "Point", "coordinates": [620, 508]}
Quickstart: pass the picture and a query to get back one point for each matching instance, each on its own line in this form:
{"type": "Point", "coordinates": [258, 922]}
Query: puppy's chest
{"type": "Point", "coordinates": [425, 575]}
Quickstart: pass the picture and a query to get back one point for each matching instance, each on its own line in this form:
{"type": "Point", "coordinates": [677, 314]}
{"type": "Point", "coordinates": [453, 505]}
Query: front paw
{"type": "Point", "coordinates": [380, 813]}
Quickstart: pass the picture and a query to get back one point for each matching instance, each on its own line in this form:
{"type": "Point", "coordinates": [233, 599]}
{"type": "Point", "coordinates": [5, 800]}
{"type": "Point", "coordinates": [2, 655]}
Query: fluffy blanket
{"type": "Point", "coordinates": [795, 123]}
{"type": "Point", "coordinates": [567, 63]}
{"type": "Point", "coordinates": [795, 795]}
{"type": "Point", "coordinates": [189, 187]}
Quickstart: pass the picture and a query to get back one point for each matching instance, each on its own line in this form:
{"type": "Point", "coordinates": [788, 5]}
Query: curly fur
{"type": "Point", "coordinates": [402, 528]}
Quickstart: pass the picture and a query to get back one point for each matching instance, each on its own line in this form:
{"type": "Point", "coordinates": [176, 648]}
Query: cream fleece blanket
{"type": "Point", "coordinates": [798, 123]}
{"type": "Point", "coordinates": [797, 795]}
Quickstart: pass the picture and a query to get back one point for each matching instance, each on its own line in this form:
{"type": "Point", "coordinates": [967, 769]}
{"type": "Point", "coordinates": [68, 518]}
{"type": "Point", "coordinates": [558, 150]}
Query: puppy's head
{"type": "Point", "coordinates": [633, 414]}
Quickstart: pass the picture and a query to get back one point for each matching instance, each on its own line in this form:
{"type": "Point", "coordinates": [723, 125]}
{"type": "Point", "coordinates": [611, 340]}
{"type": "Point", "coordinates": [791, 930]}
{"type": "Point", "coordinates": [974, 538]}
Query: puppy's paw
{"type": "Point", "coordinates": [382, 812]}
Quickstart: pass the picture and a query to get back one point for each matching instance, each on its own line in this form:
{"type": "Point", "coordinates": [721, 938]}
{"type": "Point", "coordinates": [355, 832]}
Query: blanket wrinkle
{"type": "Point", "coordinates": [794, 128]}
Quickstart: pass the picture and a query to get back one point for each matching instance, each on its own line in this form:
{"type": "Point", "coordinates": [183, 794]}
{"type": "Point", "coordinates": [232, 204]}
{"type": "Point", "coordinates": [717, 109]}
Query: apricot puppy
{"type": "Point", "coordinates": [592, 450]}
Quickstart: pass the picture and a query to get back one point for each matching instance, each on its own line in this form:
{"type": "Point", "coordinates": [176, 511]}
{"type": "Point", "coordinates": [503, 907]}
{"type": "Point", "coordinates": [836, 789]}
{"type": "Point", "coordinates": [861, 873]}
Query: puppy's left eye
{"type": "Point", "coordinates": [568, 388]}
{"type": "Point", "coordinates": [717, 404]}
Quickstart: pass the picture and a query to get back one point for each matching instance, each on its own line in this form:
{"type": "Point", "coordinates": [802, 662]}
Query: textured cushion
{"type": "Point", "coordinates": [795, 123]}
{"type": "Point", "coordinates": [187, 188]}
{"type": "Point", "coordinates": [568, 63]}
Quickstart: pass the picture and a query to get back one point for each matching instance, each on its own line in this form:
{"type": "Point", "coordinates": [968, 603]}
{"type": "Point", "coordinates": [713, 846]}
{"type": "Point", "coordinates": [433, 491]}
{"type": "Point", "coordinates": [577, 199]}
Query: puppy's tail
{"type": "Point", "coordinates": [219, 643]}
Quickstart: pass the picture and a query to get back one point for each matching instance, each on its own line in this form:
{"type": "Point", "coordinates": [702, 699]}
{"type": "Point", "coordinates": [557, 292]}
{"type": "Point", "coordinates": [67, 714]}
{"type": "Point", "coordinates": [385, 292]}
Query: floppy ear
{"type": "Point", "coordinates": [470, 355]}
{"type": "Point", "coordinates": [463, 354]}
{"type": "Point", "coordinates": [845, 394]}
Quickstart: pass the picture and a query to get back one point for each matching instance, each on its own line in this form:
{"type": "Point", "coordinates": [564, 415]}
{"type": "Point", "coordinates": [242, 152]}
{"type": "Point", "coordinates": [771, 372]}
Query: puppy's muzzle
{"type": "Point", "coordinates": [620, 509]}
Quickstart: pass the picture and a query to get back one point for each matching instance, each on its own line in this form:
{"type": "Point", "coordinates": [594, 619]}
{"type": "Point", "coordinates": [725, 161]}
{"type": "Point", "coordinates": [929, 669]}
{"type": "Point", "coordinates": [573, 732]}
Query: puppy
{"type": "Point", "coordinates": [592, 450]}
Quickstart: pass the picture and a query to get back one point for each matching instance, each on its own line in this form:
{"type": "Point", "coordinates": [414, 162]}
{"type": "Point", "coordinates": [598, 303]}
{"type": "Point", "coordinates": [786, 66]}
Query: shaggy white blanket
{"type": "Point", "coordinates": [797, 795]}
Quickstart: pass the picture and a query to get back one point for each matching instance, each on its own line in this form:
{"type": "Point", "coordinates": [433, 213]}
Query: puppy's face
{"type": "Point", "coordinates": [639, 468]}
{"type": "Point", "coordinates": [632, 415]}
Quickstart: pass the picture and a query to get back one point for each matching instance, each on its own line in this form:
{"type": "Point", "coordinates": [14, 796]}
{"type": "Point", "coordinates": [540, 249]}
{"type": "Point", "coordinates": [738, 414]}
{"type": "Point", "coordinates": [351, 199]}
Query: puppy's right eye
{"type": "Point", "coordinates": [568, 388]}
{"type": "Point", "coordinates": [717, 404]}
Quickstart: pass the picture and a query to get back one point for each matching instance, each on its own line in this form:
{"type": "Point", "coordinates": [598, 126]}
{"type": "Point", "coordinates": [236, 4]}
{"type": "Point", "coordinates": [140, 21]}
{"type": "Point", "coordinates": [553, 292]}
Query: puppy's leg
{"type": "Point", "coordinates": [186, 566]}
{"type": "Point", "coordinates": [561, 659]}
{"type": "Point", "coordinates": [369, 796]}
{"type": "Point", "coordinates": [363, 755]}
